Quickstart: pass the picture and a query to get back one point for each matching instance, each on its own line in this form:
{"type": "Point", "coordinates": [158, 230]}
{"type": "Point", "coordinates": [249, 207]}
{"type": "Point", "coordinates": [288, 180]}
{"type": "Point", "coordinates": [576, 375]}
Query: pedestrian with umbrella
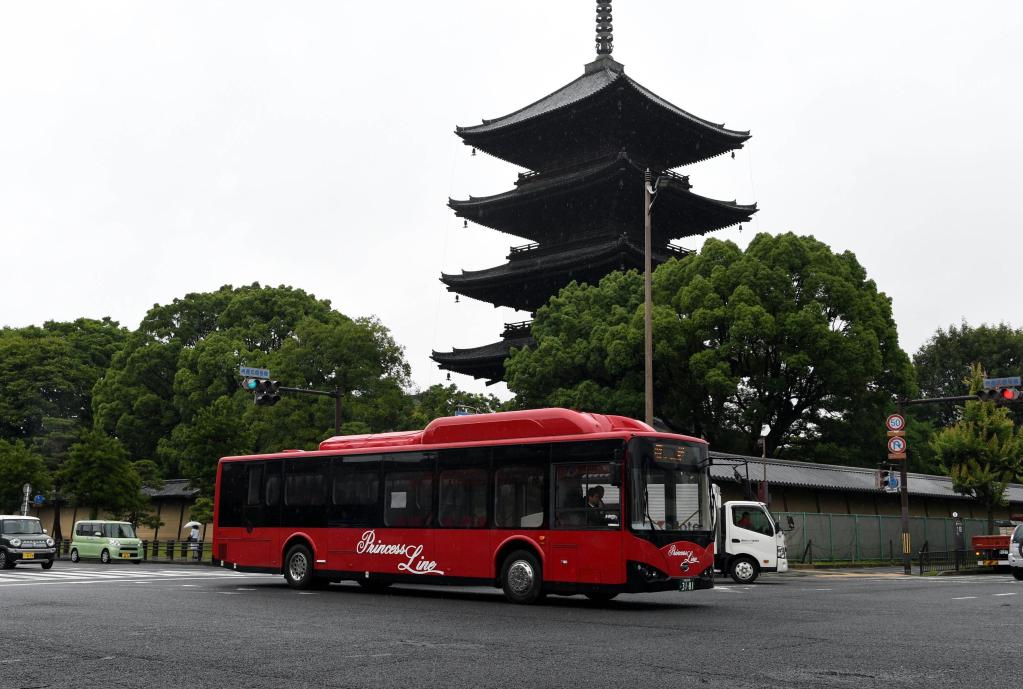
{"type": "Point", "coordinates": [193, 537]}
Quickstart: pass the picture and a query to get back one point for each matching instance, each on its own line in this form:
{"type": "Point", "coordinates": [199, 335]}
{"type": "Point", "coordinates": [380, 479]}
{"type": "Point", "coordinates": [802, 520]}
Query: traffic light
{"type": "Point", "coordinates": [999, 395]}
{"type": "Point", "coordinates": [888, 479]}
{"type": "Point", "coordinates": [267, 392]}
{"type": "Point", "coordinates": [250, 384]}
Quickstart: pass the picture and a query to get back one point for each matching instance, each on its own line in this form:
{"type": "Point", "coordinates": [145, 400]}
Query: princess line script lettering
{"type": "Point", "coordinates": [689, 558]}
{"type": "Point", "coordinates": [414, 563]}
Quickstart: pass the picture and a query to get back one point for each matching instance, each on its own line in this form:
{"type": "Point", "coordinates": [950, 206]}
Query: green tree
{"type": "Point", "coordinates": [439, 400]}
{"type": "Point", "coordinates": [943, 364]}
{"type": "Point", "coordinates": [99, 475]}
{"type": "Point", "coordinates": [786, 334]}
{"type": "Point", "coordinates": [983, 451]}
{"type": "Point", "coordinates": [173, 393]}
{"type": "Point", "coordinates": [18, 466]}
{"type": "Point", "coordinates": [47, 374]}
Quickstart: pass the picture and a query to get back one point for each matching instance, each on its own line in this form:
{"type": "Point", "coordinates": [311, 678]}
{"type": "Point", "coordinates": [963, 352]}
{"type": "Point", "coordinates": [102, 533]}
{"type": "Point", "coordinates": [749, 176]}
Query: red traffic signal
{"type": "Point", "coordinates": [999, 395]}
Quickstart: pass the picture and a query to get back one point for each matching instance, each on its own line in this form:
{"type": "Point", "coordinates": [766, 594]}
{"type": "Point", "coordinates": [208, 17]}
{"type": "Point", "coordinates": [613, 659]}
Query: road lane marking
{"type": "Point", "coordinates": [1004, 594]}
{"type": "Point", "coordinates": [965, 598]}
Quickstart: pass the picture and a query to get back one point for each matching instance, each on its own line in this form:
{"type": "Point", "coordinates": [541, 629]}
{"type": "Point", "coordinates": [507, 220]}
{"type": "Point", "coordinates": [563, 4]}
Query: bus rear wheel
{"type": "Point", "coordinates": [298, 567]}
{"type": "Point", "coordinates": [522, 578]}
{"type": "Point", "coordinates": [743, 570]}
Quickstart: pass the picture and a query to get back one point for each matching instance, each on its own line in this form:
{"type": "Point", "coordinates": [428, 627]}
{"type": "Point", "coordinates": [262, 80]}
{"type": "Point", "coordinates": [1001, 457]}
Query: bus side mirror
{"type": "Point", "coordinates": [616, 474]}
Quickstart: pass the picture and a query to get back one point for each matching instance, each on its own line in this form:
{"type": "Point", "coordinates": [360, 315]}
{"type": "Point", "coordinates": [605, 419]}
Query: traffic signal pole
{"type": "Point", "coordinates": [907, 561]}
{"type": "Point", "coordinates": [335, 393]}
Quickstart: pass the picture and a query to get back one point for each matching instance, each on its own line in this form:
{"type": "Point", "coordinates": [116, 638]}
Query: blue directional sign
{"type": "Point", "coordinates": [39, 499]}
{"type": "Point", "coordinates": [254, 372]}
{"type": "Point", "coordinates": [1010, 382]}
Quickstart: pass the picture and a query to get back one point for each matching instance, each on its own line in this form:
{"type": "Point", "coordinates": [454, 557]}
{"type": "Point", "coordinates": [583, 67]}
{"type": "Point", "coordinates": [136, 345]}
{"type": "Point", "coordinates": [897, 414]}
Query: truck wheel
{"type": "Point", "coordinates": [1018, 573]}
{"type": "Point", "coordinates": [522, 578]}
{"type": "Point", "coordinates": [743, 570]}
{"type": "Point", "coordinates": [48, 564]}
{"type": "Point", "coordinates": [5, 562]}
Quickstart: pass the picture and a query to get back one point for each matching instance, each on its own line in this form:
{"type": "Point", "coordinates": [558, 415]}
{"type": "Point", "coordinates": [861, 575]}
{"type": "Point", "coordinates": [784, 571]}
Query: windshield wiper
{"type": "Point", "coordinates": [646, 510]}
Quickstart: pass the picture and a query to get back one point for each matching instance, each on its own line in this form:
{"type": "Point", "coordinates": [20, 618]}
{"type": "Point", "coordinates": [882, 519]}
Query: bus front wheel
{"type": "Point", "coordinates": [743, 570]}
{"type": "Point", "coordinates": [298, 567]}
{"type": "Point", "coordinates": [522, 577]}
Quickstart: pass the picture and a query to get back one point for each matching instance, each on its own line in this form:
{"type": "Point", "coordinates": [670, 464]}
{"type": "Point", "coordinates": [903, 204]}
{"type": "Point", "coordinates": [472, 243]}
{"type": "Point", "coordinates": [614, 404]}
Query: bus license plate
{"type": "Point", "coordinates": [27, 556]}
{"type": "Point", "coordinates": [686, 585]}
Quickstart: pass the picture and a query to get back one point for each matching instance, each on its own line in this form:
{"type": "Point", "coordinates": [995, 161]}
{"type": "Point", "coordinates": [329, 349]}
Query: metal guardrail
{"type": "Point", "coordinates": [937, 561]}
{"type": "Point", "coordinates": [185, 552]}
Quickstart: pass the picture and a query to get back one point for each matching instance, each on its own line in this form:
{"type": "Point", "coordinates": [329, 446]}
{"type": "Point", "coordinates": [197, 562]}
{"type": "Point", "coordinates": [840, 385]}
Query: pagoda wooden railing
{"type": "Point", "coordinates": [519, 329]}
{"type": "Point", "coordinates": [524, 249]}
{"type": "Point", "coordinates": [677, 250]}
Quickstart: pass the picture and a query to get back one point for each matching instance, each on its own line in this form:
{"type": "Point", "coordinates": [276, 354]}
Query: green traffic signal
{"type": "Point", "coordinates": [250, 384]}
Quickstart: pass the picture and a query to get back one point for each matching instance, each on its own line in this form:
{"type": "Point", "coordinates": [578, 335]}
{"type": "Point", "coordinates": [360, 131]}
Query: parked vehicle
{"type": "Point", "coordinates": [1016, 553]}
{"type": "Point", "coordinates": [23, 540]}
{"type": "Point", "coordinates": [105, 541]}
{"type": "Point", "coordinates": [749, 541]}
{"type": "Point", "coordinates": [992, 550]}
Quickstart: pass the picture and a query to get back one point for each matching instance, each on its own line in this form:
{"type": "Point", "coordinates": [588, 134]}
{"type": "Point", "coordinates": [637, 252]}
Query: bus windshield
{"type": "Point", "coordinates": [670, 489]}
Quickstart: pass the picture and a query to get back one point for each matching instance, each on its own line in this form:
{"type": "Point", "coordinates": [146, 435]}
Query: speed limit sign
{"type": "Point", "coordinates": [895, 422]}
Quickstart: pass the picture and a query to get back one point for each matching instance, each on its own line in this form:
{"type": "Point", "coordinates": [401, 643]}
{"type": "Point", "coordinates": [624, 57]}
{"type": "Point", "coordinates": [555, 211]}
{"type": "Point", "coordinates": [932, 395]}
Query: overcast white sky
{"type": "Point", "coordinates": [151, 149]}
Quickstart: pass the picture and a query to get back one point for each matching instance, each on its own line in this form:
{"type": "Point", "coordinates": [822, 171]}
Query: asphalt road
{"type": "Point", "coordinates": [188, 626]}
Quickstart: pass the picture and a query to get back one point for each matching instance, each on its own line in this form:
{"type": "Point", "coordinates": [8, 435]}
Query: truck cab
{"type": "Point", "coordinates": [749, 541]}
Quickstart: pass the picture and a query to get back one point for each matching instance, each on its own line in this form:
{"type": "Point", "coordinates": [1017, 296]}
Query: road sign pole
{"type": "Point", "coordinates": [907, 564]}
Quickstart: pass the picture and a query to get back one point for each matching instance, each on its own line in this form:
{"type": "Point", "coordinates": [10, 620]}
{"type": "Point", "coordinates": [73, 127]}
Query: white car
{"type": "Point", "coordinates": [1016, 552]}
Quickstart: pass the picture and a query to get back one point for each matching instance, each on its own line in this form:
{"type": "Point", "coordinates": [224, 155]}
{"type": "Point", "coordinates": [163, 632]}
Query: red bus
{"type": "Point", "coordinates": [534, 502]}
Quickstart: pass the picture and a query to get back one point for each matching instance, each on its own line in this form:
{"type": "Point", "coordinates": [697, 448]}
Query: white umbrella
{"type": "Point", "coordinates": [189, 525]}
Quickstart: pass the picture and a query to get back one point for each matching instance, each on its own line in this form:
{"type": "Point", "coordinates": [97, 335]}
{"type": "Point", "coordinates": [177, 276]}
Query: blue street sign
{"type": "Point", "coordinates": [254, 372]}
{"type": "Point", "coordinates": [39, 499]}
{"type": "Point", "coordinates": [1010, 382]}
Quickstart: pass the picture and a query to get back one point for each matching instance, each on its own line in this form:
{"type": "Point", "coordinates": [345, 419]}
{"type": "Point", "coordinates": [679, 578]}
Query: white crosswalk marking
{"type": "Point", "coordinates": [68, 574]}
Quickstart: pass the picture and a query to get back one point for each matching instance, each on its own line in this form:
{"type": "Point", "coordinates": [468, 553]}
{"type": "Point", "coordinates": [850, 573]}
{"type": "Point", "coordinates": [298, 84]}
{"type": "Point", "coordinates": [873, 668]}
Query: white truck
{"type": "Point", "coordinates": [749, 540]}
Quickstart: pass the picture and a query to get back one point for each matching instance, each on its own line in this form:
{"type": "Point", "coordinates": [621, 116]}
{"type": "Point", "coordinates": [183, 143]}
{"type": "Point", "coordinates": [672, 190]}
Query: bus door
{"type": "Point", "coordinates": [462, 538]}
{"type": "Point", "coordinates": [260, 484]}
{"type": "Point", "coordinates": [405, 545]}
{"type": "Point", "coordinates": [584, 544]}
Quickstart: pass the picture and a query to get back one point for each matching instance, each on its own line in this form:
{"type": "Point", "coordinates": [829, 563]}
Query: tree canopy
{"type": "Point", "coordinates": [943, 364]}
{"type": "Point", "coordinates": [18, 466]}
{"type": "Point", "coordinates": [47, 376]}
{"type": "Point", "coordinates": [786, 334]}
{"type": "Point", "coordinates": [173, 394]}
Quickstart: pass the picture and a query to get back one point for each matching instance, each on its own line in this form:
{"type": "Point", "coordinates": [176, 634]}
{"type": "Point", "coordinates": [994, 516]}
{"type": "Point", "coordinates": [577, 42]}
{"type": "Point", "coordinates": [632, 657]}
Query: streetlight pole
{"type": "Point", "coordinates": [648, 307]}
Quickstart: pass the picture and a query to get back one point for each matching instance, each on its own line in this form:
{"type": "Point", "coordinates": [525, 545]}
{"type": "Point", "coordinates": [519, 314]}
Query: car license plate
{"type": "Point", "coordinates": [125, 556]}
{"type": "Point", "coordinates": [27, 556]}
{"type": "Point", "coordinates": [686, 585]}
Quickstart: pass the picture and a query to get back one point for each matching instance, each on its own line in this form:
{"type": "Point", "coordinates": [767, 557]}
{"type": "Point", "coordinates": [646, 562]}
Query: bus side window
{"type": "Point", "coordinates": [408, 498]}
{"type": "Point", "coordinates": [463, 498]}
{"type": "Point", "coordinates": [519, 497]}
{"type": "Point", "coordinates": [355, 493]}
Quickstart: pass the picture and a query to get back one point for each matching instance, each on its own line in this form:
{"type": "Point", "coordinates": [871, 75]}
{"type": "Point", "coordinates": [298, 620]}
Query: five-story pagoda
{"type": "Point", "coordinates": [587, 147]}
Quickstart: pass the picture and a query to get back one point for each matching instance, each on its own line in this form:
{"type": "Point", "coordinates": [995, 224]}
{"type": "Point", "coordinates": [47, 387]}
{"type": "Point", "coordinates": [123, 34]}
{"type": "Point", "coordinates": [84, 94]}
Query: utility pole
{"type": "Point", "coordinates": [907, 562]}
{"type": "Point", "coordinates": [648, 307]}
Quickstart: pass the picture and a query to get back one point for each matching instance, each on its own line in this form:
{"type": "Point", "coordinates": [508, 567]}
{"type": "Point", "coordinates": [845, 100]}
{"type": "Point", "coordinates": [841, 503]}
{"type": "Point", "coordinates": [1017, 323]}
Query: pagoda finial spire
{"type": "Point", "coordinates": [605, 40]}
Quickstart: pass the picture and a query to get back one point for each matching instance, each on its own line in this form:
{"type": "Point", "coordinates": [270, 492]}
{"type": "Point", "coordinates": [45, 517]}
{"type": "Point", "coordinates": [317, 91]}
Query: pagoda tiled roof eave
{"type": "Point", "coordinates": [485, 352]}
{"type": "Point", "coordinates": [483, 209]}
{"type": "Point", "coordinates": [589, 85]}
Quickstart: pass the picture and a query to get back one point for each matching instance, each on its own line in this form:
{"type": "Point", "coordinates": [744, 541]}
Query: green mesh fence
{"type": "Point", "coordinates": [867, 537]}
